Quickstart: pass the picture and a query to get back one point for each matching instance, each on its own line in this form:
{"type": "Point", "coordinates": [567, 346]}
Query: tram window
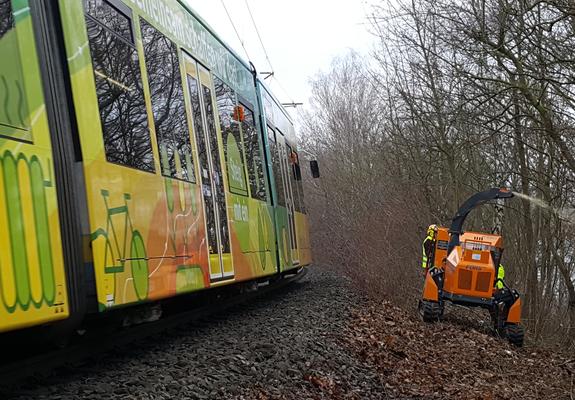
{"type": "Point", "coordinates": [109, 17]}
{"type": "Point", "coordinates": [167, 96]}
{"type": "Point", "coordinates": [276, 167]}
{"type": "Point", "coordinates": [292, 163]}
{"type": "Point", "coordinates": [6, 17]}
{"type": "Point", "coordinates": [230, 128]}
{"type": "Point", "coordinates": [299, 185]}
{"type": "Point", "coordinates": [119, 89]}
{"type": "Point", "coordinates": [290, 173]}
{"type": "Point", "coordinates": [14, 121]}
{"type": "Point", "coordinates": [254, 156]}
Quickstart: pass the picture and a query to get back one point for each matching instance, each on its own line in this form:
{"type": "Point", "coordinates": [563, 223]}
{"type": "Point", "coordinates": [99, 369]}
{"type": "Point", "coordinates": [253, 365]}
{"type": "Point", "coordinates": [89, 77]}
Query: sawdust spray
{"type": "Point", "coordinates": [566, 213]}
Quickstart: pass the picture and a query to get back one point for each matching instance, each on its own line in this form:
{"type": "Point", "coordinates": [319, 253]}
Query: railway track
{"type": "Point", "coordinates": [14, 372]}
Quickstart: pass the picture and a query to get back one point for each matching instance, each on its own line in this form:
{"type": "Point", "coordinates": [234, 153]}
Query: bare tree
{"type": "Point", "coordinates": [457, 97]}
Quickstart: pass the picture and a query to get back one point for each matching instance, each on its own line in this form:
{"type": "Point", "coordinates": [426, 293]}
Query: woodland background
{"type": "Point", "coordinates": [458, 97]}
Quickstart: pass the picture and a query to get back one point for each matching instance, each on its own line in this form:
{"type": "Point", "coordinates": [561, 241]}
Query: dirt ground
{"type": "Point", "coordinates": [454, 359]}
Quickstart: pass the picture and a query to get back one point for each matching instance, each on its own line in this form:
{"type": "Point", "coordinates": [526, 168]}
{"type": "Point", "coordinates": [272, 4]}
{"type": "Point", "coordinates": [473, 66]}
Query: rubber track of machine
{"type": "Point", "coordinates": [431, 311]}
{"type": "Point", "coordinates": [515, 334]}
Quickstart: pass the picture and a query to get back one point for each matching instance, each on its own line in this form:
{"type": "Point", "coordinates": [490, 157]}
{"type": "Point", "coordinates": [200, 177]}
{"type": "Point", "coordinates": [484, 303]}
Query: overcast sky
{"type": "Point", "coordinates": [301, 36]}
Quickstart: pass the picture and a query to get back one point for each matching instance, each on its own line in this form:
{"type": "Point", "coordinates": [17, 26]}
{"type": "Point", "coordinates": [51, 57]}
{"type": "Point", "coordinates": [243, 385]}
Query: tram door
{"type": "Point", "coordinates": [210, 173]}
{"type": "Point", "coordinates": [284, 154]}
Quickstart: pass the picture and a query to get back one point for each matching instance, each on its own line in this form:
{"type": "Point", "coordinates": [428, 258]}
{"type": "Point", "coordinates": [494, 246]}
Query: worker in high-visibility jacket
{"type": "Point", "coordinates": [428, 247]}
{"type": "Point", "coordinates": [500, 276]}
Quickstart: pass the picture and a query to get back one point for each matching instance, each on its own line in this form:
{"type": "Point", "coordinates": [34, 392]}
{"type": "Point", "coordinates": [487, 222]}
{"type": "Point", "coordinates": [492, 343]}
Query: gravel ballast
{"type": "Point", "coordinates": [284, 345]}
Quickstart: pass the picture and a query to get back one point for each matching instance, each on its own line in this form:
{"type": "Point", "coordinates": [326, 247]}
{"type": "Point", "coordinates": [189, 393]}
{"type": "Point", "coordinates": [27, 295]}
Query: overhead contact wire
{"type": "Point", "coordinates": [254, 23]}
{"type": "Point", "coordinates": [261, 43]}
{"type": "Point", "coordinates": [236, 30]}
{"type": "Point", "coordinates": [259, 36]}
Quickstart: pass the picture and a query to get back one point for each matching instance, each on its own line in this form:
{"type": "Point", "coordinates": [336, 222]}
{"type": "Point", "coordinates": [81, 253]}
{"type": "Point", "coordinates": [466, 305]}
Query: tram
{"type": "Point", "coordinates": [140, 159]}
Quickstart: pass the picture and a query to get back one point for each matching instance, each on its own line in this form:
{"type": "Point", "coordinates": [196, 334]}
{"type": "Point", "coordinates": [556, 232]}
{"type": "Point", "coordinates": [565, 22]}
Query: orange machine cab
{"type": "Point", "coordinates": [471, 269]}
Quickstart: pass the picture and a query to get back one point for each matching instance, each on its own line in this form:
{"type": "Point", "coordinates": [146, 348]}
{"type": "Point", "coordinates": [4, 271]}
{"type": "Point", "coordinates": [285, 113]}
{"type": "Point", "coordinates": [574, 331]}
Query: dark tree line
{"type": "Point", "coordinates": [458, 96]}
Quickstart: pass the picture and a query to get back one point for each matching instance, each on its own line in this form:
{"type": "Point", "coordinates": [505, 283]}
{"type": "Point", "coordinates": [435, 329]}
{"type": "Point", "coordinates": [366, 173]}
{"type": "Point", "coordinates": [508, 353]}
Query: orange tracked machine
{"type": "Point", "coordinates": [462, 268]}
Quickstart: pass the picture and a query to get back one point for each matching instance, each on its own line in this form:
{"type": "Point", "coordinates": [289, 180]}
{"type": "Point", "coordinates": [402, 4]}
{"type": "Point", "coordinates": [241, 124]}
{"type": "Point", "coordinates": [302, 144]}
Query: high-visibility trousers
{"type": "Point", "coordinates": [500, 277]}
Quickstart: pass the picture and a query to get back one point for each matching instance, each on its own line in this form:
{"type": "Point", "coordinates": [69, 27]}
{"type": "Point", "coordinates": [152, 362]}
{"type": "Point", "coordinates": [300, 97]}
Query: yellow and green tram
{"type": "Point", "coordinates": [140, 159]}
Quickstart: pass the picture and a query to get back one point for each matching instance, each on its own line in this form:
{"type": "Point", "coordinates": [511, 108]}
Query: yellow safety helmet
{"type": "Point", "coordinates": [432, 230]}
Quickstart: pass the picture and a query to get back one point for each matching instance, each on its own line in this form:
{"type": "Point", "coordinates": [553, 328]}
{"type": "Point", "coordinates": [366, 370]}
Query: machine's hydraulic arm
{"type": "Point", "coordinates": [474, 201]}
